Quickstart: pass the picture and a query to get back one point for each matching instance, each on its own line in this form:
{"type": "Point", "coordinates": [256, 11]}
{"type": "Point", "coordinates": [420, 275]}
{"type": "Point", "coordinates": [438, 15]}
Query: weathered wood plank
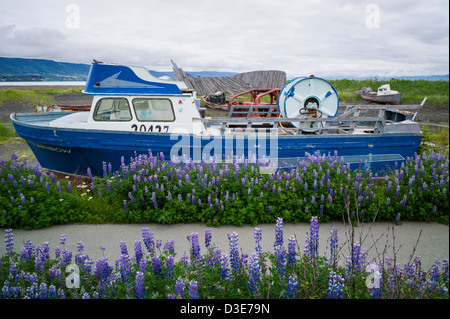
{"type": "Point", "coordinates": [231, 84]}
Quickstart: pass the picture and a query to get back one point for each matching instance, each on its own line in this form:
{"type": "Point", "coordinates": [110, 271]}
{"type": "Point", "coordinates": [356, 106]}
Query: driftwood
{"type": "Point", "coordinates": [231, 84]}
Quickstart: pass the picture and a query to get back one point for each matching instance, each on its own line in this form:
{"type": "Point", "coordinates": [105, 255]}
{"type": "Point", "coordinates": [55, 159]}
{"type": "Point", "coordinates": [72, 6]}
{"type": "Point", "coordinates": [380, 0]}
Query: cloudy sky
{"type": "Point", "coordinates": [300, 37]}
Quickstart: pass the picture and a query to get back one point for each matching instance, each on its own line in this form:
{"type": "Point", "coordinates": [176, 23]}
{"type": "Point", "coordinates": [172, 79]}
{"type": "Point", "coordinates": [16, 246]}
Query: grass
{"type": "Point", "coordinates": [6, 132]}
{"type": "Point", "coordinates": [413, 92]}
{"type": "Point", "coordinates": [24, 96]}
{"type": "Point", "coordinates": [436, 139]}
{"type": "Point", "coordinates": [36, 96]}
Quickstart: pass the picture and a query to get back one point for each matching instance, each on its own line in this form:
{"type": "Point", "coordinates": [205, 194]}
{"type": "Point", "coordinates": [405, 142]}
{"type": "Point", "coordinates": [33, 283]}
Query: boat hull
{"type": "Point", "coordinates": [384, 99]}
{"type": "Point", "coordinates": [73, 151]}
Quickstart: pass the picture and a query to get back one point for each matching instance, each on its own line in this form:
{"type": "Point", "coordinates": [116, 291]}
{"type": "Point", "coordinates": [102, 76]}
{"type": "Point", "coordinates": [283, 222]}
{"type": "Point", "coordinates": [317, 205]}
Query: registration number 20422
{"type": "Point", "coordinates": [150, 128]}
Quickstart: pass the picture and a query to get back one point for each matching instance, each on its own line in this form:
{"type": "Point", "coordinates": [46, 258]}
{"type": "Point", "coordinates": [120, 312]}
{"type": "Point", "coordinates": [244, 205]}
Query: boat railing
{"type": "Point", "coordinates": [354, 119]}
{"type": "Point", "coordinates": [253, 110]}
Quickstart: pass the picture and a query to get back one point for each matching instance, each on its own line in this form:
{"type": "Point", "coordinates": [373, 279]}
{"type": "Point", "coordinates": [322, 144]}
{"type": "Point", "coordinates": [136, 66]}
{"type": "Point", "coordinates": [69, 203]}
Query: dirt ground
{"type": "Point", "coordinates": [428, 113]}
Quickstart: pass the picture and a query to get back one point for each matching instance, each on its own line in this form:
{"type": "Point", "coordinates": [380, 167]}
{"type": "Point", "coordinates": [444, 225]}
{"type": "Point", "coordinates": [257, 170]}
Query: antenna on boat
{"type": "Point", "coordinates": [94, 61]}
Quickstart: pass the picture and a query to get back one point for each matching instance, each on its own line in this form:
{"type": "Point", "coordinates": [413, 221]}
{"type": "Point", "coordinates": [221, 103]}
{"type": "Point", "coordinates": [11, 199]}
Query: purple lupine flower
{"type": "Point", "coordinates": [193, 290]}
{"type": "Point", "coordinates": [125, 206]}
{"type": "Point", "coordinates": [125, 268]}
{"type": "Point", "coordinates": [54, 272]}
{"type": "Point", "coordinates": [89, 173]}
{"type": "Point", "coordinates": [138, 253]}
{"type": "Point", "coordinates": [58, 185]}
{"type": "Point", "coordinates": [280, 255]}
{"type": "Point", "coordinates": [30, 184]}
{"type": "Point", "coordinates": [156, 264]}
{"type": "Point", "coordinates": [292, 287]}
{"type": "Point", "coordinates": [155, 204]}
{"type": "Point", "coordinates": [148, 240]}
{"type": "Point", "coordinates": [195, 248]}
{"type": "Point", "coordinates": [445, 267]}
{"type": "Point", "coordinates": [258, 238]}
{"type": "Point", "coordinates": [312, 241]}
{"type": "Point", "coordinates": [403, 201]}
{"type": "Point", "coordinates": [170, 246]}
{"type": "Point", "coordinates": [234, 253]}
{"type": "Point", "coordinates": [27, 251]}
{"type": "Point", "coordinates": [123, 248]}
{"type": "Point", "coordinates": [104, 170]}
{"type": "Point", "coordinates": [185, 261]}
{"type": "Point", "coordinates": [291, 252]}
{"type": "Point", "coordinates": [169, 267]}
{"type": "Point", "coordinates": [335, 288]}
{"type": "Point", "coordinates": [9, 241]}
{"type": "Point", "coordinates": [434, 274]}
{"type": "Point", "coordinates": [140, 287]}
{"type": "Point", "coordinates": [397, 191]}
{"type": "Point", "coordinates": [66, 257]}
{"type": "Point", "coordinates": [179, 288]}
{"type": "Point", "coordinates": [224, 267]}
{"type": "Point", "coordinates": [57, 252]}
{"type": "Point", "coordinates": [356, 263]}
{"type": "Point", "coordinates": [255, 274]}
{"type": "Point", "coordinates": [333, 245]}
{"type": "Point", "coordinates": [102, 269]}
{"type": "Point", "coordinates": [279, 232]}
{"type": "Point", "coordinates": [208, 236]}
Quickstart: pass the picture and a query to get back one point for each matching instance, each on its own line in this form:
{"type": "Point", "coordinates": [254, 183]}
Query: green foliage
{"type": "Point", "coordinates": [413, 92]}
{"type": "Point", "coordinates": [7, 132]}
{"type": "Point", "coordinates": [153, 191]}
{"type": "Point", "coordinates": [34, 97]}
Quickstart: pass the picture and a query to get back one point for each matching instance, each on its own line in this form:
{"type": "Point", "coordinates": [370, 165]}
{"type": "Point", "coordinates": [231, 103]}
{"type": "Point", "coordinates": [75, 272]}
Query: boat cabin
{"type": "Point", "coordinates": [385, 90]}
{"type": "Point", "coordinates": [131, 99]}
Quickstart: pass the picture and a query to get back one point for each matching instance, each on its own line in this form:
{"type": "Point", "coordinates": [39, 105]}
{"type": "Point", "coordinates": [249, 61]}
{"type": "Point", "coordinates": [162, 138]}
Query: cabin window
{"type": "Point", "coordinates": [112, 109]}
{"type": "Point", "coordinates": [155, 110]}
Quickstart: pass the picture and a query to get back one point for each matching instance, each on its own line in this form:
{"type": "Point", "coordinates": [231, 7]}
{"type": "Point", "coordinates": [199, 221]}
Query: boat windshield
{"type": "Point", "coordinates": [112, 109]}
{"type": "Point", "coordinates": [150, 109]}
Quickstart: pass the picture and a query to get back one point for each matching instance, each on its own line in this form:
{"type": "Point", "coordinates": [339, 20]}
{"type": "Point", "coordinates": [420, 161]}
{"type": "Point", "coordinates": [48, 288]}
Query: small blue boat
{"type": "Point", "coordinates": [133, 112]}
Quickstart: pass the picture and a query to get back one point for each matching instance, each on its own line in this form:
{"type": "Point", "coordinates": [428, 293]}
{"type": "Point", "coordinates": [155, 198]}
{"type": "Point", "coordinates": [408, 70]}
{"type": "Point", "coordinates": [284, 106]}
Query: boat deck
{"type": "Point", "coordinates": [356, 119]}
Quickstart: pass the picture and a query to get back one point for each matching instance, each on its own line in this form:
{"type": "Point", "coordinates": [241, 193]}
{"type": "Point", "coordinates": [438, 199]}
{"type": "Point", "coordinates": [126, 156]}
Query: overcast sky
{"type": "Point", "coordinates": [300, 37]}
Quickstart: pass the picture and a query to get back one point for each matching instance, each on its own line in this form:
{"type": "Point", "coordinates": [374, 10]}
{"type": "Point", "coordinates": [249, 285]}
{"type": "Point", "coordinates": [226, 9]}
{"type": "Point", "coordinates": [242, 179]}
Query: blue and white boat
{"type": "Point", "coordinates": [133, 112]}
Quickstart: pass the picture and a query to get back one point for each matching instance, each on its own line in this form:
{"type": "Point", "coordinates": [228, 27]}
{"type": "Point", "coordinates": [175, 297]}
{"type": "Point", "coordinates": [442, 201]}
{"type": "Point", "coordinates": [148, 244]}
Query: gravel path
{"type": "Point", "coordinates": [427, 240]}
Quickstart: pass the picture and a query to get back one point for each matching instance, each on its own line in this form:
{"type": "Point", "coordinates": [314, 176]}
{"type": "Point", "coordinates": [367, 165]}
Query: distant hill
{"type": "Point", "coordinates": [19, 69]}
